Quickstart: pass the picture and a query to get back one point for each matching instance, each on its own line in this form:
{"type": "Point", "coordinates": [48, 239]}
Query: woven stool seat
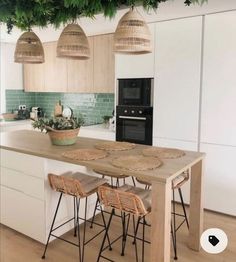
{"type": "Point", "coordinates": [176, 182]}
{"type": "Point", "coordinates": [110, 174]}
{"type": "Point", "coordinates": [76, 184]}
{"type": "Point", "coordinates": [126, 198]}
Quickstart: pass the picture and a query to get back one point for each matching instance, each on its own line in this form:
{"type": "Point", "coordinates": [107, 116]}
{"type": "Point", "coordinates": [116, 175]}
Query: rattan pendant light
{"type": "Point", "coordinates": [73, 43]}
{"type": "Point", "coordinates": [29, 49]}
{"type": "Point", "coordinates": [132, 35]}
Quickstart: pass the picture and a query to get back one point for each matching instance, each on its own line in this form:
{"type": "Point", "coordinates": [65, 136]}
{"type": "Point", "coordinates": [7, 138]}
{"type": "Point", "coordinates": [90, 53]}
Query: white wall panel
{"type": "Point", "coordinates": [220, 179]}
{"type": "Point", "coordinates": [177, 82]}
{"type": "Point", "coordinates": [219, 80]}
{"type": "Point", "coordinates": [136, 66]}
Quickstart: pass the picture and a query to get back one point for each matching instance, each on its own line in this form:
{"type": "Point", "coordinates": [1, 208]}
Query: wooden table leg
{"type": "Point", "coordinates": [160, 222]}
{"type": "Point", "coordinates": [196, 206]}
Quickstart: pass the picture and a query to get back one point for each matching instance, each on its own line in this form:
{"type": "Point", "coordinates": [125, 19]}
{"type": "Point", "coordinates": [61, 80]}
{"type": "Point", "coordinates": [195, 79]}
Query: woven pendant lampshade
{"type": "Point", "coordinates": [29, 49]}
{"type": "Point", "coordinates": [73, 43]}
{"type": "Point", "coordinates": [132, 35]}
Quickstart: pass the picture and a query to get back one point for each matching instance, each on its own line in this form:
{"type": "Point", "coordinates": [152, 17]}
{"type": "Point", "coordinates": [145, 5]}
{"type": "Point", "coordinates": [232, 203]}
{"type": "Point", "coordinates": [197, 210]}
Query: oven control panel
{"type": "Point", "coordinates": [134, 110]}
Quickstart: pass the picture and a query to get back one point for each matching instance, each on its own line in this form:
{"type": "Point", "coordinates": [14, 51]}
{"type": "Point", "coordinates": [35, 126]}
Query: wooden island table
{"type": "Point", "coordinates": [37, 144]}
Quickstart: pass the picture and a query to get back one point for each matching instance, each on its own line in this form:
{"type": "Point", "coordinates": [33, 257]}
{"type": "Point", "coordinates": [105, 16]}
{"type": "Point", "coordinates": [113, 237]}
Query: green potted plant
{"type": "Point", "coordinates": [61, 130]}
{"type": "Point", "coordinates": [106, 120]}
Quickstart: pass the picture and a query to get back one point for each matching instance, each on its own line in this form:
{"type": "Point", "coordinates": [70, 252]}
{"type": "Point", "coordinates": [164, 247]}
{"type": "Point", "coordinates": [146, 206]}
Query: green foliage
{"type": "Point", "coordinates": [106, 119]}
{"type": "Point", "coordinates": [59, 123]}
{"type": "Point", "coordinates": [25, 14]}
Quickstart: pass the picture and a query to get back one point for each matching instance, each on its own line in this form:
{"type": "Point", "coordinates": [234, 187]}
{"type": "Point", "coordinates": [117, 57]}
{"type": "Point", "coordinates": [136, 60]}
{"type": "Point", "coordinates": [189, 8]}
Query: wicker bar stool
{"type": "Point", "coordinates": [114, 182]}
{"type": "Point", "coordinates": [129, 200]}
{"type": "Point", "coordinates": [176, 185]}
{"type": "Point", "coordinates": [79, 186]}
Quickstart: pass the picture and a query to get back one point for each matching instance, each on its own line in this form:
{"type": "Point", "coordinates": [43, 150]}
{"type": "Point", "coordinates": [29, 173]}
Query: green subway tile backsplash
{"type": "Point", "coordinates": [92, 106]}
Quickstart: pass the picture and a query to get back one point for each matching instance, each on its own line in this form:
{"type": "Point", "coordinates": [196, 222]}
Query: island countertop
{"type": "Point", "coordinates": [38, 144]}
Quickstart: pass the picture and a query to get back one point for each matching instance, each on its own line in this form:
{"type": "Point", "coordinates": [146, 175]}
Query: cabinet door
{"type": "Point", "coordinates": [220, 179]}
{"type": "Point", "coordinates": [177, 80]}
{"type": "Point", "coordinates": [80, 73]}
{"type": "Point", "coordinates": [136, 66]}
{"type": "Point", "coordinates": [219, 80]}
{"type": "Point", "coordinates": [34, 77]}
{"type": "Point", "coordinates": [55, 69]}
{"type": "Point", "coordinates": [23, 213]}
{"type": "Point", "coordinates": [104, 64]}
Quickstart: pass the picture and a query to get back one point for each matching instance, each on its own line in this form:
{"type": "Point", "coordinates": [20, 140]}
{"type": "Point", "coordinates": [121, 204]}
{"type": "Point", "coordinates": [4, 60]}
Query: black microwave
{"type": "Point", "coordinates": [135, 91]}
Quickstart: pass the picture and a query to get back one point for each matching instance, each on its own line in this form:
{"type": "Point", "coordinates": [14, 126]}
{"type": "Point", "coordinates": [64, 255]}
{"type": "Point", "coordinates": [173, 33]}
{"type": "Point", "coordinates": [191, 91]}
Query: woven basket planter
{"type": "Point", "coordinates": [29, 49]}
{"type": "Point", "coordinates": [73, 43]}
{"type": "Point", "coordinates": [63, 137]}
{"type": "Point", "coordinates": [132, 35]}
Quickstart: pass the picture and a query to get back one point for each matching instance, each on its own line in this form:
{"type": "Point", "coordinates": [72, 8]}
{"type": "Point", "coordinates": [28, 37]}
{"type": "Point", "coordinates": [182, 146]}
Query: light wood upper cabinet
{"type": "Point", "coordinates": [55, 69]}
{"type": "Point", "coordinates": [95, 75]}
{"type": "Point", "coordinates": [80, 73]}
{"type": "Point", "coordinates": [34, 77]}
{"type": "Point", "coordinates": [104, 64]}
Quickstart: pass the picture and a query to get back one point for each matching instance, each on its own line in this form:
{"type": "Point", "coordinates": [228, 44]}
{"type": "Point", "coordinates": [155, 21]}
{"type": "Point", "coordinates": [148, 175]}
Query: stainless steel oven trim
{"type": "Point", "coordinates": [133, 118]}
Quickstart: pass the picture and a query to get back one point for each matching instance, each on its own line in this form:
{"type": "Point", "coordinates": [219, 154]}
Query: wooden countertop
{"type": "Point", "coordinates": [38, 144]}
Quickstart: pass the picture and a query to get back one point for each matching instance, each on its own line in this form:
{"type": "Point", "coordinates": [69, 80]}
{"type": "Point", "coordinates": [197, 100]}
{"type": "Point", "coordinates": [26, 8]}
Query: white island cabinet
{"type": "Point", "coordinates": [27, 201]}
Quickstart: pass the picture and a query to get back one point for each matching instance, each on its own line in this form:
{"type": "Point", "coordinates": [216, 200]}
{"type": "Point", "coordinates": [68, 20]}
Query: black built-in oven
{"type": "Point", "coordinates": [134, 124]}
{"type": "Point", "coordinates": [135, 91]}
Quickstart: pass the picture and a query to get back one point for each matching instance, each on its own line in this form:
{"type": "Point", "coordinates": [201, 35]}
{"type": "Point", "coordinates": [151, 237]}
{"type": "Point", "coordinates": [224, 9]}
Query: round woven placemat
{"type": "Point", "coordinates": [85, 154]}
{"type": "Point", "coordinates": [136, 163]}
{"type": "Point", "coordinates": [115, 146]}
{"type": "Point", "coordinates": [162, 152]}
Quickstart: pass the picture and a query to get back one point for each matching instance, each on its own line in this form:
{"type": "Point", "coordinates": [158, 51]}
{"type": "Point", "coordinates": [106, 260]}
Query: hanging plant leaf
{"type": "Point", "coordinates": [25, 14]}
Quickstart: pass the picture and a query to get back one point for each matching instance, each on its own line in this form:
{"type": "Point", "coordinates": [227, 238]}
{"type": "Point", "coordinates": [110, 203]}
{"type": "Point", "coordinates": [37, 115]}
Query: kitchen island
{"type": "Point", "coordinates": [28, 156]}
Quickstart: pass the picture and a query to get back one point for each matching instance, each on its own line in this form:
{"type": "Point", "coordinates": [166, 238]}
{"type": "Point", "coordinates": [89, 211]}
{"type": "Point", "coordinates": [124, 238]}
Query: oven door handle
{"type": "Point", "coordinates": [133, 118]}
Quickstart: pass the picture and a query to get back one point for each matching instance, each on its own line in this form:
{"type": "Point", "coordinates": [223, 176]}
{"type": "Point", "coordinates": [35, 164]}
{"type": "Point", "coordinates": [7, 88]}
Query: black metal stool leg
{"type": "Point", "coordinates": [174, 227]}
{"type": "Point", "coordinates": [106, 234]}
{"type": "Point", "coordinates": [174, 242]}
{"type": "Point", "coordinates": [136, 230]}
{"type": "Point", "coordinates": [78, 225]}
{"type": "Point", "coordinates": [125, 232]}
{"type": "Point", "coordinates": [117, 182]}
{"type": "Point", "coordinates": [51, 229]}
{"type": "Point", "coordinates": [143, 240]}
{"type": "Point", "coordinates": [134, 242]}
{"type": "Point", "coordinates": [183, 206]}
{"type": "Point", "coordinates": [104, 222]}
{"type": "Point", "coordinates": [84, 233]}
{"type": "Point", "coordinates": [94, 213]}
{"type": "Point", "coordinates": [75, 217]}
{"type": "Point", "coordinates": [133, 181]}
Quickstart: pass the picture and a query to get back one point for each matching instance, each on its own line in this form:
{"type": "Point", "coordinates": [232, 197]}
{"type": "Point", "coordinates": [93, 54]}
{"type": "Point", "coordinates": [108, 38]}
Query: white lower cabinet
{"type": "Point", "coordinates": [220, 179]}
{"type": "Point", "coordinates": [29, 185]}
{"type": "Point", "coordinates": [23, 213]}
{"type": "Point", "coordinates": [27, 201]}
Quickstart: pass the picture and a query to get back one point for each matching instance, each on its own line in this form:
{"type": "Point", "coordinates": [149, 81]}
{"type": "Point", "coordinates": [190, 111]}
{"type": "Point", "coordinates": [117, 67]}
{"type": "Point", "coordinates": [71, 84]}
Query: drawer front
{"type": "Point", "coordinates": [23, 213]}
{"type": "Point", "coordinates": [30, 165]}
{"type": "Point", "coordinates": [29, 185]}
